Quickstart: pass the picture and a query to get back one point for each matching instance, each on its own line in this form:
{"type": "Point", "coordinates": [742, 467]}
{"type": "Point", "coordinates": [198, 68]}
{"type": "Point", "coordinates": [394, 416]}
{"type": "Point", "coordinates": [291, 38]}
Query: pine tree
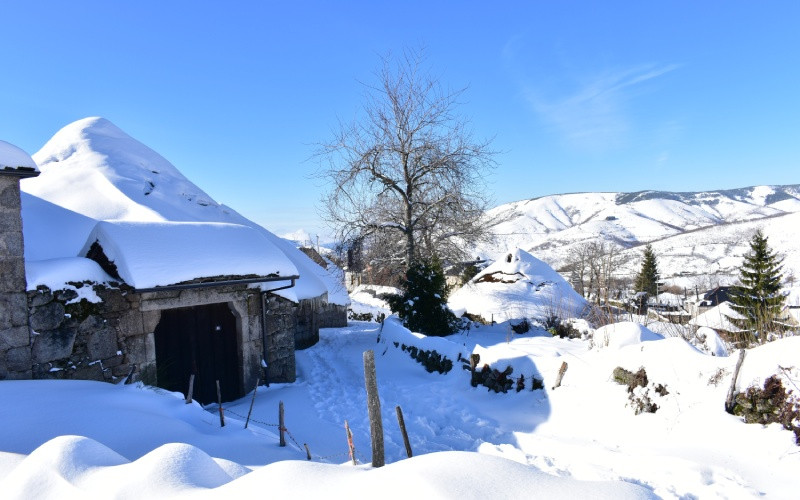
{"type": "Point", "coordinates": [647, 279]}
{"type": "Point", "coordinates": [423, 305]}
{"type": "Point", "coordinates": [758, 297]}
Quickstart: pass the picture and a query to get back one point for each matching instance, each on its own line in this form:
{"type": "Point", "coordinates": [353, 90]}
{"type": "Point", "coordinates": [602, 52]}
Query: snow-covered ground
{"type": "Point", "coordinates": [580, 439]}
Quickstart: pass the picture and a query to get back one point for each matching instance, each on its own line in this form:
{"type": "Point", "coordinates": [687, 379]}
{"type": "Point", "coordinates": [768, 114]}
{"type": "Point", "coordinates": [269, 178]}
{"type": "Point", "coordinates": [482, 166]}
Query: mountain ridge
{"type": "Point", "coordinates": [552, 227]}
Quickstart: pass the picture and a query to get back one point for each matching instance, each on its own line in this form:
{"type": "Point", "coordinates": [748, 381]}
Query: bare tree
{"type": "Point", "coordinates": [592, 267]}
{"type": "Point", "coordinates": [408, 171]}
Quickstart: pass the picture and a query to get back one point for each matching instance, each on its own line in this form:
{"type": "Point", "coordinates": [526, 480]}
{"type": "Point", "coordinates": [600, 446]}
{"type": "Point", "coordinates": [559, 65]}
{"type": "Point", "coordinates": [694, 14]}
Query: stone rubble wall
{"type": "Point", "coordinates": [77, 339]}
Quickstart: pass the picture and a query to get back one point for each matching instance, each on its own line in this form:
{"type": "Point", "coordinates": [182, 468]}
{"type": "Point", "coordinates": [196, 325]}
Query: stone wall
{"type": "Point", "coordinates": [316, 313]}
{"type": "Point", "coordinates": [332, 316]}
{"type": "Point", "coordinates": [78, 339]}
{"type": "Point", "coordinates": [14, 334]}
{"type": "Point", "coordinates": [280, 323]}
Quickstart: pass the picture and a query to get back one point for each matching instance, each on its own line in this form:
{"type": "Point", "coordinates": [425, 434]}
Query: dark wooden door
{"type": "Point", "coordinates": [203, 341]}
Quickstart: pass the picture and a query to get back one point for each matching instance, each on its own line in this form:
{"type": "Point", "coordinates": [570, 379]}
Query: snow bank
{"type": "Point", "coordinates": [582, 439]}
{"type": "Point", "coordinates": [394, 331]}
{"type": "Point", "coordinates": [711, 342]}
{"type": "Point", "coordinates": [518, 285]}
{"type": "Point", "coordinates": [365, 299]}
{"type": "Point", "coordinates": [78, 467]}
{"type": "Point", "coordinates": [622, 334]}
{"type": "Point", "coordinates": [156, 254]}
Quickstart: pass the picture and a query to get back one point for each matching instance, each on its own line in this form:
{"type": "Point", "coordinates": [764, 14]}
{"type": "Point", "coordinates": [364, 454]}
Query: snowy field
{"type": "Point", "coordinates": [580, 439]}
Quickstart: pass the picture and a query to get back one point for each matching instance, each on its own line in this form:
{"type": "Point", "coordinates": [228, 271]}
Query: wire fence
{"type": "Point", "coordinates": [291, 436]}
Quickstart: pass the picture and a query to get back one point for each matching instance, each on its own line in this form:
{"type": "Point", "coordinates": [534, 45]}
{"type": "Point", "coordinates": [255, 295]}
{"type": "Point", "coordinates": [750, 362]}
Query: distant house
{"type": "Point", "coordinates": [718, 318]}
{"type": "Point", "coordinates": [708, 300]}
{"type": "Point", "coordinates": [154, 300]}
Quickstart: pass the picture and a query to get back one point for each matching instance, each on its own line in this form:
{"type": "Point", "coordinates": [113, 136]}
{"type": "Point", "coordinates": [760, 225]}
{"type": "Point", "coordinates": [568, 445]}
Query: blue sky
{"type": "Point", "coordinates": [577, 95]}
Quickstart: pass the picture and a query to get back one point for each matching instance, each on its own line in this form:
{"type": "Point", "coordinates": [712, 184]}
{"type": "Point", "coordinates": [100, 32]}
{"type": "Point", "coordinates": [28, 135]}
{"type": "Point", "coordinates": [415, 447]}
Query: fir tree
{"type": "Point", "coordinates": [758, 296]}
{"type": "Point", "coordinates": [423, 305]}
{"type": "Point", "coordinates": [647, 279]}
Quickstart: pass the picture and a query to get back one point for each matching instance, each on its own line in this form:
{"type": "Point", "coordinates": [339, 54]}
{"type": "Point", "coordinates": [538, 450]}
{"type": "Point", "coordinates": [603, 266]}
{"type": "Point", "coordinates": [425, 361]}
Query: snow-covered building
{"type": "Point", "coordinates": [133, 270]}
{"type": "Point", "coordinates": [517, 285]}
{"type": "Point", "coordinates": [718, 318]}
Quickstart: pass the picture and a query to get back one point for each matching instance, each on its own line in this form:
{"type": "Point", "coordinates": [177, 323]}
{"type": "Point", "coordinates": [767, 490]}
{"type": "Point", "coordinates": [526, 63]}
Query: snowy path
{"type": "Point", "coordinates": [330, 390]}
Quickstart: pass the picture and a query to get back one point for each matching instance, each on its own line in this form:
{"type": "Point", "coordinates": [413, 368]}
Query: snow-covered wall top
{"type": "Point", "coordinates": [150, 254]}
{"type": "Point", "coordinates": [13, 158]}
{"type": "Point", "coordinates": [92, 171]}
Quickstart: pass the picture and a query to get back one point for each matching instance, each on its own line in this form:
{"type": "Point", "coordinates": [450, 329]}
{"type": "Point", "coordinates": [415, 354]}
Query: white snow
{"type": "Point", "coordinates": [718, 318]}
{"type": "Point", "coordinates": [98, 182]}
{"type": "Point", "coordinates": [623, 334]}
{"type": "Point", "coordinates": [517, 285]}
{"type": "Point", "coordinates": [366, 299]}
{"type": "Point", "coordinates": [695, 234]}
{"type": "Point", "coordinates": [57, 273]}
{"type": "Point", "coordinates": [148, 254]}
{"type": "Point", "coordinates": [80, 439]}
{"type": "Point", "coordinates": [12, 157]}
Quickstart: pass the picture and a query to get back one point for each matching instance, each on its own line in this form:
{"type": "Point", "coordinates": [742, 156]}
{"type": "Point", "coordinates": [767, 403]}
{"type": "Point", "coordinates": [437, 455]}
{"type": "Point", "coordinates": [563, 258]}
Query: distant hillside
{"type": "Point", "coordinates": [693, 233]}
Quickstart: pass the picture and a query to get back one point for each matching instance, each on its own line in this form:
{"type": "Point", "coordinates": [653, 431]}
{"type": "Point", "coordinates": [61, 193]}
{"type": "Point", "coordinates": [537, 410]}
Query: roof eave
{"type": "Point", "coordinates": [208, 284]}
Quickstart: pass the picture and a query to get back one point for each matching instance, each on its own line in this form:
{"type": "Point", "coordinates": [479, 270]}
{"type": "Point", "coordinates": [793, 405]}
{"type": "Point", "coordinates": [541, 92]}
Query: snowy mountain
{"type": "Point", "coordinates": [91, 171]}
{"type": "Point", "coordinates": [711, 228]}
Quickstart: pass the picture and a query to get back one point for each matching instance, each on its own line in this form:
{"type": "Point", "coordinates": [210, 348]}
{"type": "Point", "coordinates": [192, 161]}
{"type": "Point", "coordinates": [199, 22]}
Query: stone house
{"type": "Point", "coordinates": [130, 305]}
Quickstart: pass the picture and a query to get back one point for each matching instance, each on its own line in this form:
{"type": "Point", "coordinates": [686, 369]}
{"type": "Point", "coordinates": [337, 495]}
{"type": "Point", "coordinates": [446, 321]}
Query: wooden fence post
{"type": "Point", "coordinates": [191, 389]}
{"type": "Point", "coordinates": [729, 401]}
{"type": "Point", "coordinates": [374, 409]}
{"type": "Point", "coordinates": [221, 411]}
{"type": "Point", "coordinates": [402, 424]}
{"type": "Point", "coordinates": [281, 427]}
{"type": "Point", "coordinates": [561, 372]}
{"type": "Point", "coordinates": [350, 446]}
{"type": "Point", "coordinates": [252, 402]}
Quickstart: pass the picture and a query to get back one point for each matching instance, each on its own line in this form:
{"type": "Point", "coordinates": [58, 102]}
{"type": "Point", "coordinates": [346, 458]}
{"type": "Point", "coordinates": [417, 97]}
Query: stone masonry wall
{"type": "Point", "coordinates": [14, 335]}
{"type": "Point", "coordinates": [77, 339]}
{"type": "Point", "coordinates": [280, 322]}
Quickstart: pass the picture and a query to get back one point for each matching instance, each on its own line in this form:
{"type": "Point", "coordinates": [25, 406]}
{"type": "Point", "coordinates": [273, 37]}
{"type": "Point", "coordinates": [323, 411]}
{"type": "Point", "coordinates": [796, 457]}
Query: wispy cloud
{"type": "Point", "coordinates": [593, 113]}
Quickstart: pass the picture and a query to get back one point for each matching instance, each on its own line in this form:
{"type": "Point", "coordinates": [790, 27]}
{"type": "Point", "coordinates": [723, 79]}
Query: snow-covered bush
{"type": "Point", "coordinates": [639, 389]}
{"type": "Point", "coordinates": [423, 305]}
{"type": "Point", "coordinates": [771, 404]}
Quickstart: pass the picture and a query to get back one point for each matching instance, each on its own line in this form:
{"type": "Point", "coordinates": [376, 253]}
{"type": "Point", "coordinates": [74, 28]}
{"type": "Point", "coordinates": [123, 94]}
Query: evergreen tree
{"type": "Point", "coordinates": [423, 305]}
{"type": "Point", "coordinates": [758, 297]}
{"type": "Point", "coordinates": [647, 279]}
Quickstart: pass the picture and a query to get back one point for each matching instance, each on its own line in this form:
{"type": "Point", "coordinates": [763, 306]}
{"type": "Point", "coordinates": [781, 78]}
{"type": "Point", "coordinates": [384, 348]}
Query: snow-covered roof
{"type": "Point", "coordinates": [517, 285]}
{"type": "Point", "coordinates": [91, 171]}
{"type": "Point", "coordinates": [152, 254]}
{"type": "Point", "coordinates": [16, 161]}
{"type": "Point", "coordinates": [718, 318]}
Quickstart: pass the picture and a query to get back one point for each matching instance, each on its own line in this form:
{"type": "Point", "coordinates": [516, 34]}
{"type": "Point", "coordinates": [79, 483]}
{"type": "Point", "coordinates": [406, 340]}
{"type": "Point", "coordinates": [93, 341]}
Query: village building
{"type": "Point", "coordinates": [85, 297]}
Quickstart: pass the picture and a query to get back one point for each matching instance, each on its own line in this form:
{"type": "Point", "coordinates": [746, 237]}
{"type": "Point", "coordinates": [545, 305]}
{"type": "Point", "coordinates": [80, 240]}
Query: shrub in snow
{"type": "Point", "coordinates": [772, 404]}
{"type": "Point", "coordinates": [521, 326]}
{"type": "Point", "coordinates": [560, 328]}
{"type": "Point", "coordinates": [520, 383]}
{"type": "Point", "coordinates": [638, 389]}
{"type": "Point", "coordinates": [423, 305]}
